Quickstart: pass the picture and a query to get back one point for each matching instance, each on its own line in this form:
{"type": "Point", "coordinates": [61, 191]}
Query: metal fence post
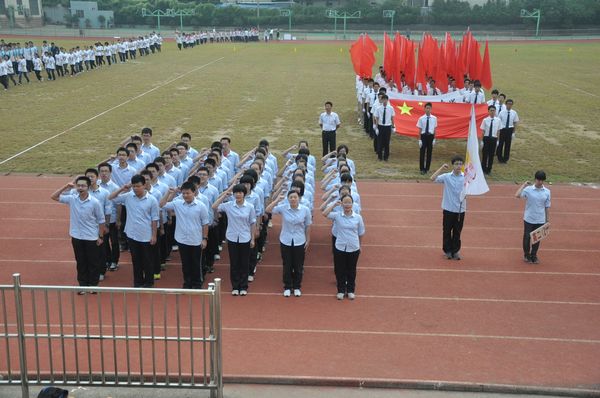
{"type": "Point", "coordinates": [21, 335]}
{"type": "Point", "coordinates": [218, 336]}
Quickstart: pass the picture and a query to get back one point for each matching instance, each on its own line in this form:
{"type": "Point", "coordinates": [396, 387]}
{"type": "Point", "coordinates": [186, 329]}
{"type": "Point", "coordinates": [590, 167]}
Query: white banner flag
{"type": "Point", "coordinates": [475, 183]}
{"type": "Point", "coordinates": [454, 96]}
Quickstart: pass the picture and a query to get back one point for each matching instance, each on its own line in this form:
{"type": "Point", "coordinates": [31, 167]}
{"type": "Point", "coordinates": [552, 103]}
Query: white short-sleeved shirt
{"type": "Point", "coordinates": [422, 124]}
{"type": "Point", "coordinates": [329, 121]}
{"type": "Point", "coordinates": [493, 123]}
{"type": "Point", "coordinates": [511, 115]}
{"type": "Point", "coordinates": [475, 97]}
{"type": "Point", "coordinates": [389, 115]}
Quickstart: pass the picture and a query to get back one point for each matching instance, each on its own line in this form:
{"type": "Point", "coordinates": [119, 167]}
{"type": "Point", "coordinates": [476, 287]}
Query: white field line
{"type": "Point", "coordinates": [108, 110]}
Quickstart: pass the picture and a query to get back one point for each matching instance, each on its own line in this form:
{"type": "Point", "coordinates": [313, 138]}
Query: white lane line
{"type": "Point", "coordinates": [374, 209]}
{"type": "Point", "coordinates": [364, 268]}
{"type": "Point", "coordinates": [411, 227]}
{"type": "Point", "coordinates": [453, 299]}
{"type": "Point", "coordinates": [577, 89]}
{"type": "Point", "coordinates": [109, 110]}
{"type": "Point", "coordinates": [362, 245]}
{"type": "Point", "coordinates": [413, 334]}
{"type": "Point", "coordinates": [329, 331]}
{"type": "Point", "coordinates": [368, 195]}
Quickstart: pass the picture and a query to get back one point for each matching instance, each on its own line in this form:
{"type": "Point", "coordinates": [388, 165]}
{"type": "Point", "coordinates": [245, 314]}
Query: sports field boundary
{"type": "Point", "coordinates": [432, 385]}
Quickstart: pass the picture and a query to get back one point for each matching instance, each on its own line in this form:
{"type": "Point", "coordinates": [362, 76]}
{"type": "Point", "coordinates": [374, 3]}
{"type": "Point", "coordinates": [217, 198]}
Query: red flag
{"type": "Point", "coordinates": [486, 72]}
{"type": "Point", "coordinates": [453, 118]}
{"type": "Point", "coordinates": [399, 64]}
{"type": "Point", "coordinates": [409, 69]}
{"type": "Point", "coordinates": [362, 56]}
{"type": "Point", "coordinates": [389, 57]}
{"type": "Point", "coordinates": [474, 61]}
{"type": "Point", "coordinates": [355, 56]}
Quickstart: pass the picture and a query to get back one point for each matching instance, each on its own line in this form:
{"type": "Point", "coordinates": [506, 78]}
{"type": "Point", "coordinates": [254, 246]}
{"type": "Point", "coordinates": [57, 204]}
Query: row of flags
{"type": "Point", "coordinates": [434, 58]}
{"type": "Point", "coordinates": [439, 60]}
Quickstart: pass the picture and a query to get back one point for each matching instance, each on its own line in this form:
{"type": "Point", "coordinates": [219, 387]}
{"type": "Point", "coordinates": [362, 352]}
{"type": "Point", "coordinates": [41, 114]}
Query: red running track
{"type": "Point", "coordinates": [489, 319]}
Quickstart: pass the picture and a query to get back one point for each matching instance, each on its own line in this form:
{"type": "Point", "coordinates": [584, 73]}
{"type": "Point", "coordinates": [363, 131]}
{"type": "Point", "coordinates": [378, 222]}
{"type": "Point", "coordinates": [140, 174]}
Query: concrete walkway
{"type": "Point", "coordinates": [261, 391]}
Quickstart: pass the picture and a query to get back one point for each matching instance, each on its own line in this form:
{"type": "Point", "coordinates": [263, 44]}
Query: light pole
{"type": "Point", "coordinates": [390, 14]}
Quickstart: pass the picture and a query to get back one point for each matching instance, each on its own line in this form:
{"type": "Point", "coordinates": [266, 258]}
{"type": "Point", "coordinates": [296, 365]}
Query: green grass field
{"type": "Point", "coordinates": [276, 91]}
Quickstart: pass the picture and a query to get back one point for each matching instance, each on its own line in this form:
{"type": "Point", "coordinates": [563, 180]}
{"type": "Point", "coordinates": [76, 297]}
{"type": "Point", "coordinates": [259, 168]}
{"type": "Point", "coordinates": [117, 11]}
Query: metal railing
{"type": "Point", "coordinates": [104, 336]}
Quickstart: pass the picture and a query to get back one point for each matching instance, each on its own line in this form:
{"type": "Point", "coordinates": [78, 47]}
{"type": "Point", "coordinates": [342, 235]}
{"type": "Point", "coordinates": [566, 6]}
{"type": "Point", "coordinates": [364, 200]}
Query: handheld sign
{"type": "Point", "coordinates": [540, 233]}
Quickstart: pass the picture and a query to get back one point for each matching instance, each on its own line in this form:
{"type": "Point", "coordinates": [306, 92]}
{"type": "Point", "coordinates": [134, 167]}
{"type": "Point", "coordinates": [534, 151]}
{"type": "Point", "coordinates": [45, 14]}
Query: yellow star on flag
{"type": "Point", "coordinates": [405, 109]}
{"type": "Point", "coordinates": [420, 103]}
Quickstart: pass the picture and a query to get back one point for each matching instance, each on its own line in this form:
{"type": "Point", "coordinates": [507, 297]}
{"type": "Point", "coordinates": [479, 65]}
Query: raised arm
{"type": "Point", "coordinates": [116, 193]}
{"type": "Point", "coordinates": [439, 171]}
{"type": "Point", "coordinates": [274, 203]}
{"type": "Point", "coordinates": [56, 195]}
{"type": "Point", "coordinates": [329, 208]}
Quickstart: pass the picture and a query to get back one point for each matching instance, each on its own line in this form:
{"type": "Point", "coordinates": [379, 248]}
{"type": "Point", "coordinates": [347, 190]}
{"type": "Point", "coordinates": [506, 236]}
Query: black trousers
{"type": "Point", "coordinates": [452, 226]}
{"type": "Point", "coordinates": [503, 150]}
{"type": "Point", "coordinates": [21, 74]}
{"type": "Point", "coordinates": [293, 265]}
{"type": "Point", "coordinates": [111, 245]}
{"type": "Point", "coordinates": [4, 81]}
{"type": "Point", "coordinates": [155, 249]}
{"type": "Point", "coordinates": [51, 74]}
{"type": "Point", "coordinates": [143, 265]}
{"type": "Point", "coordinates": [425, 152]}
{"type": "Point", "coordinates": [383, 142]}
{"type": "Point", "coordinates": [238, 264]}
{"type": "Point", "coordinates": [344, 264]}
{"type": "Point", "coordinates": [328, 140]}
{"type": "Point", "coordinates": [212, 248]}
{"type": "Point", "coordinates": [87, 256]}
{"type": "Point", "coordinates": [528, 249]}
{"type": "Point", "coordinates": [191, 259]}
{"type": "Point", "coordinates": [487, 155]}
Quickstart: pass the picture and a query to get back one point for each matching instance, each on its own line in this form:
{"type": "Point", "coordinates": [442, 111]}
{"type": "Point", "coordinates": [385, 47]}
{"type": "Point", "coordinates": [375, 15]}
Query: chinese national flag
{"type": "Point", "coordinates": [453, 118]}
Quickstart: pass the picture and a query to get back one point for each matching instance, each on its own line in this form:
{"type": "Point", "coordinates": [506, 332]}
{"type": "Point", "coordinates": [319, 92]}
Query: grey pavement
{"type": "Point", "coordinates": [261, 391]}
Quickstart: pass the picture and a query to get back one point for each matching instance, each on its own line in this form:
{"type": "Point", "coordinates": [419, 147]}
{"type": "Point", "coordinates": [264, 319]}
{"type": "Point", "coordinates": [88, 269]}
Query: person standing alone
{"type": "Point", "coordinates": [329, 122]}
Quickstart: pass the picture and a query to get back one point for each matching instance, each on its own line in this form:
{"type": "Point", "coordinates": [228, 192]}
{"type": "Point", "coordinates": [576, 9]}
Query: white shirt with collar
{"type": "Point", "coordinates": [495, 124]}
{"type": "Point", "coordinates": [329, 121]}
{"type": "Point", "coordinates": [389, 115]}
{"type": "Point", "coordinates": [512, 115]}
{"type": "Point", "coordinates": [475, 97]}
{"type": "Point", "coordinates": [422, 124]}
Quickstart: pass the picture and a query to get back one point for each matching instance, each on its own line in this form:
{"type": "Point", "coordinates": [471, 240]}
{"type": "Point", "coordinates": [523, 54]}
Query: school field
{"type": "Point", "coordinates": [276, 91]}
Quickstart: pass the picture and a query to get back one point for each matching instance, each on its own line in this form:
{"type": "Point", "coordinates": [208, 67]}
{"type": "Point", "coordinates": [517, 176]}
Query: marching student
{"type": "Point", "coordinates": [495, 100]}
{"type": "Point", "coordinates": [191, 232]}
{"type": "Point", "coordinates": [384, 118]}
{"type": "Point", "coordinates": [141, 227]}
{"type": "Point", "coordinates": [426, 125]}
{"type": "Point", "coordinates": [294, 239]}
{"type": "Point", "coordinates": [49, 63]}
{"type": "Point", "coordinates": [490, 126]}
{"type": "Point", "coordinates": [4, 74]}
{"type": "Point", "coordinates": [86, 227]}
{"type": "Point", "coordinates": [10, 69]}
{"type": "Point", "coordinates": [537, 213]}
{"type": "Point", "coordinates": [241, 225]}
{"type": "Point", "coordinates": [453, 207]}
{"type": "Point", "coordinates": [476, 96]}
{"type": "Point", "coordinates": [37, 67]}
{"type": "Point", "coordinates": [111, 238]}
{"type": "Point", "coordinates": [509, 119]}
{"type": "Point", "coordinates": [349, 228]}
{"type": "Point", "coordinates": [22, 69]}
{"type": "Point", "coordinates": [329, 122]}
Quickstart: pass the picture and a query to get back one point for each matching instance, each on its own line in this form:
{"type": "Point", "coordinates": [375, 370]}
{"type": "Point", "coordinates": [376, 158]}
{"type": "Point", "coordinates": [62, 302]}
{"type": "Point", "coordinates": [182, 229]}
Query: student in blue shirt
{"type": "Point", "coordinates": [453, 207]}
{"type": "Point", "coordinates": [141, 228]}
{"type": "Point", "coordinates": [294, 239]}
{"type": "Point", "coordinates": [86, 227]}
{"type": "Point", "coordinates": [349, 228]}
{"type": "Point", "coordinates": [240, 234]}
{"type": "Point", "coordinates": [537, 213]}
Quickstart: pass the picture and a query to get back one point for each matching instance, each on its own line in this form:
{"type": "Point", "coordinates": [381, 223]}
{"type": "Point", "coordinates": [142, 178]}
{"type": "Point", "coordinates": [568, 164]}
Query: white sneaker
{"type": "Point", "coordinates": [250, 278]}
{"type": "Point", "coordinates": [297, 292]}
{"type": "Point", "coordinates": [217, 257]}
{"type": "Point", "coordinates": [101, 277]}
{"type": "Point", "coordinates": [235, 292]}
{"type": "Point", "coordinates": [270, 224]}
{"type": "Point", "coordinates": [351, 296]}
{"type": "Point", "coordinates": [175, 248]}
{"type": "Point", "coordinates": [340, 296]}
{"type": "Point", "coordinates": [287, 293]}
{"type": "Point", "coordinates": [243, 292]}
{"type": "Point", "coordinates": [220, 248]}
